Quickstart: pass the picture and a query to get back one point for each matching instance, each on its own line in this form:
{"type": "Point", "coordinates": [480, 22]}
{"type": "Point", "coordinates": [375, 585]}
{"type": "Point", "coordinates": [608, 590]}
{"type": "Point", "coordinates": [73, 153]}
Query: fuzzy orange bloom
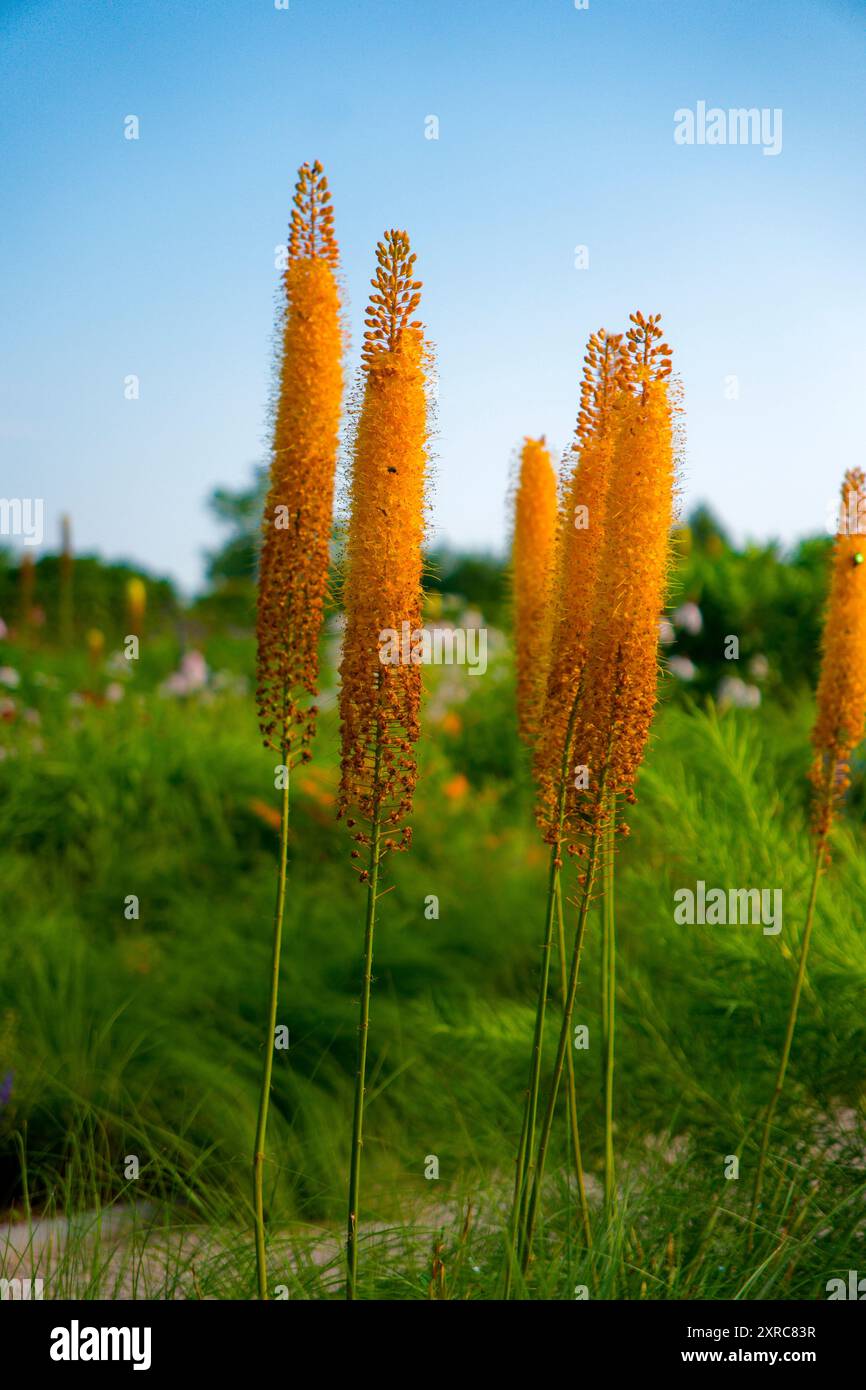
{"type": "Point", "coordinates": [293, 571]}
{"type": "Point", "coordinates": [621, 674]}
{"type": "Point", "coordinates": [533, 568]}
{"type": "Point", "coordinates": [842, 686]}
{"type": "Point", "coordinates": [380, 693]}
{"type": "Point", "coordinates": [582, 520]}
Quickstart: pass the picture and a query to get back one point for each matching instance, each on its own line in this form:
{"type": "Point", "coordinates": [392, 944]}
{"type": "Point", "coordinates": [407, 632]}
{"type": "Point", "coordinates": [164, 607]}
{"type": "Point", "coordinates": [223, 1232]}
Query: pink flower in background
{"type": "Point", "coordinates": [191, 677]}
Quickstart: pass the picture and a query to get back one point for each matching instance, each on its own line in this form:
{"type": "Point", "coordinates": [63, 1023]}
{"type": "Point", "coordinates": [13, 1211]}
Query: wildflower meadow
{"type": "Point", "coordinates": [393, 918]}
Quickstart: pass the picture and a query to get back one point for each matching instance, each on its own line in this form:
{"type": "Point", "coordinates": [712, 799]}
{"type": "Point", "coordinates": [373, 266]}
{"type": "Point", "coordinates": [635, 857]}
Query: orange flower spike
{"type": "Point", "coordinates": [621, 675]}
{"type": "Point", "coordinates": [839, 725]}
{"type": "Point", "coordinates": [582, 523]}
{"type": "Point", "coordinates": [380, 692]}
{"type": "Point", "coordinates": [293, 572]}
{"type": "Point", "coordinates": [533, 566]}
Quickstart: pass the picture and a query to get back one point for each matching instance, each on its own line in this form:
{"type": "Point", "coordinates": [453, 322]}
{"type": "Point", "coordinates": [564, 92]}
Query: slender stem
{"type": "Point", "coordinates": [564, 1037]}
{"type": "Point", "coordinates": [572, 1093]}
{"type": "Point", "coordinates": [523, 1166]}
{"type": "Point", "coordinates": [609, 967]}
{"type": "Point", "coordinates": [789, 1038]}
{"type": "Point", "coordinates": [531, 1116]}
{"type": "Point", "coordinates": [603, 982]}
{"type": "Point", "coordinates": [267, 1069]}
{"type": "Point", "coordinates": [363, 1030]}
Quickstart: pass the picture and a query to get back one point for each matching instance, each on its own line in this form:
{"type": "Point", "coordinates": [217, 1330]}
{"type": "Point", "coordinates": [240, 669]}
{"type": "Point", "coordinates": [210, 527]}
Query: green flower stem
{"type": "Point", "coordinates": [564, 1038]}
{"type": "Point", "coordinates": [609, 994]}
{"type": "Point", "coordinates": [361, 1076]}
{"type": "Point", "coordinates": [523, 1166]}
{"type": "Point", "coordinates": [789, 1038]}
{"type": "Point", "coordinates": [267, 1070]}
{"type": "Point", "coordinates": [572, 1092]}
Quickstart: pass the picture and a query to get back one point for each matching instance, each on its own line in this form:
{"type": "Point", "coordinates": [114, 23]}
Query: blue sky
{"type": "Point", "coordinates": [155, 257]}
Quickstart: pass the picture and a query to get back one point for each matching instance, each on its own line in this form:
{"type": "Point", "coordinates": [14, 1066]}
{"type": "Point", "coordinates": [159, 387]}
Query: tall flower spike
{"type": "Point", "coordinates": [621, 674]}
{"type": "Point", "coordinates": [380, 673]}
{"type": "Point", "coordinates": [293, 572]}
{"type": "Point", "coordinates": [380, 693]}
{"type": "Point", "coordinates": [533, 566]}
{"type": "Point", "coordinates": [838, 729]}
{"type": "Point", "coordinates": [612, 710]}
{"type": "Point", "coordinates": [582, 523]}
{"type": "Point", "coordinates": [842, 685]}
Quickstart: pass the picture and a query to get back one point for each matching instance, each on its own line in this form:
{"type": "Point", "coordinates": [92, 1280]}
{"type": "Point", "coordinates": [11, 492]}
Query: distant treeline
{"type": "Point", "coordinates": [768, 599]}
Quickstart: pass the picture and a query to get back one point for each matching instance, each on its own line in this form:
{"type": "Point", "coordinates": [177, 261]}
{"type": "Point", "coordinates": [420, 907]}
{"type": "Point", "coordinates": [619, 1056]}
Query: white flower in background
{"type": "Point", "coordinates": [114, 692]}
{"type": "Point", "coordinates": [117, 665]}
{"type": "Point", "coordinates": [230, 683]}
{"type": "Point", "coordinates": [9, 677]}
{"type": "Point", "coordinates": [666, 631]}
{"type": "Point", "coordinates": [682, 668]}
{"type": "Point", "coordinates": [759, 667]}
{"type": "Point", "coordinates": [688, 616]}
{"type": "Point", "coordinates": [734, 692]}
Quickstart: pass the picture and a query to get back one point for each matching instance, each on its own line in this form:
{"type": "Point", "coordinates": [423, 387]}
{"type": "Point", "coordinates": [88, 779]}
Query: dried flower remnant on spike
{"type": "Point", "coordinates": [582, 523]}
{"type": "Point", "coordinates": [380, 691]}
{"type": "Point", "coordinates": [293, 571]}
{"type": "Point", "coordinates": [841, 713]}
{"type": "Point", "coordinates": [533, 565]}
{"type": "Point", "coordinates": [621, 674]}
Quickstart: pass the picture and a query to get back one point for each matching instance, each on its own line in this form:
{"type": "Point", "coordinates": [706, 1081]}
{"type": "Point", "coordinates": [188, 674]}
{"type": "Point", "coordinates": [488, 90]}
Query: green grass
{"type": "Point", "coordinates": [143, 1037]}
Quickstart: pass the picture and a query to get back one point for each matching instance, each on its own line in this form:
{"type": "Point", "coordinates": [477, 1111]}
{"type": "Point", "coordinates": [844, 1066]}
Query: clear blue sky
{"type": "Point", "coordinates": [156, 257]}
